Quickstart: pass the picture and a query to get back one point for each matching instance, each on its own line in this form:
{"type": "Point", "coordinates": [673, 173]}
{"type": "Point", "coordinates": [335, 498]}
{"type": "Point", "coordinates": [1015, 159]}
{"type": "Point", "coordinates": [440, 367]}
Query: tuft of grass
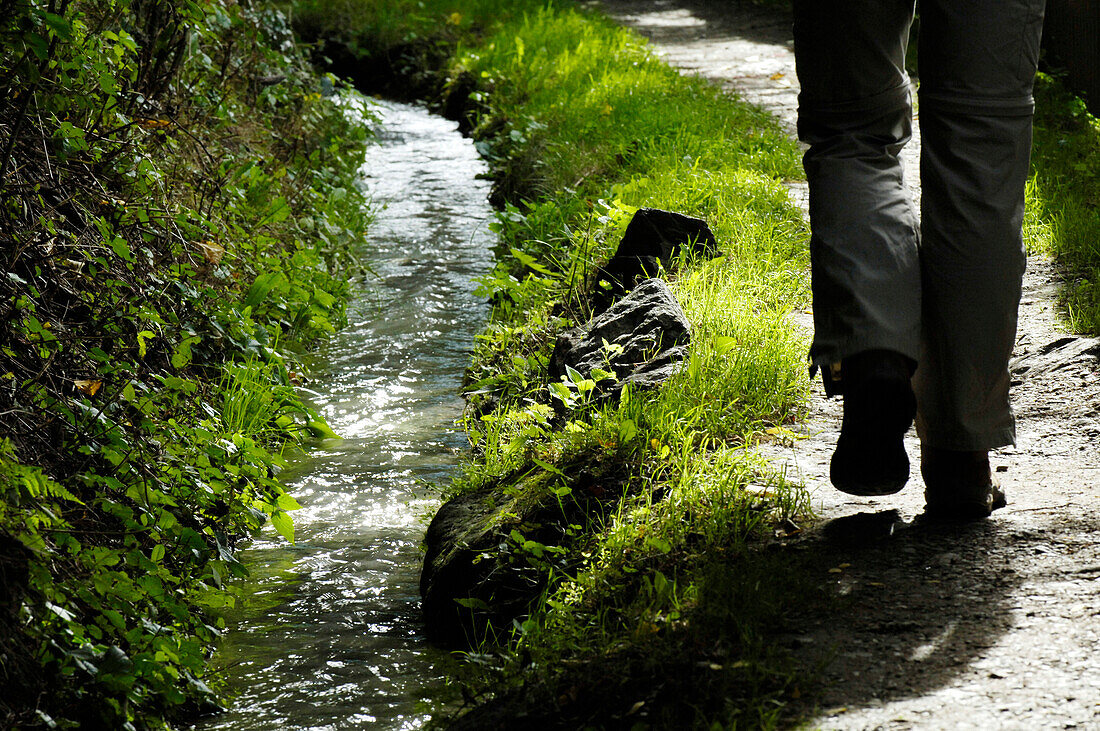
{"type": "Point", "coordinates": [583, 125]}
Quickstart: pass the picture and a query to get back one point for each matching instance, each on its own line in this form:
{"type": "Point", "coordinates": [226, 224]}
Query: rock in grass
{"type": "Point", "coordinates": [643, 339]}
{"type": "Point", "coordinates": [653, 240]}
{"type": "Point", "coordinates": [488, 552]}
{"type": "Point", "coordinates": [452, 578]}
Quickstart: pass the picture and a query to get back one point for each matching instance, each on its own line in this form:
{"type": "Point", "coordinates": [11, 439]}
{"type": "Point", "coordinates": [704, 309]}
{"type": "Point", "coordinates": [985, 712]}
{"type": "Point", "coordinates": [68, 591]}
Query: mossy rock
{"type": "Point", "coordinates": [489, 551]}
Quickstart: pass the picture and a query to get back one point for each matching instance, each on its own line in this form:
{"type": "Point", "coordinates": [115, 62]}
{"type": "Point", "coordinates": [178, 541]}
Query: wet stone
{"type": "Point", "coordinates": [643, 339]}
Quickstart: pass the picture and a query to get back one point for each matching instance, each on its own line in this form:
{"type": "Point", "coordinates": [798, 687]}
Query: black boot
{"type": "Point", "coordinates": [879, 406]}
{"type": "Point", "coordinates": [958, 485]}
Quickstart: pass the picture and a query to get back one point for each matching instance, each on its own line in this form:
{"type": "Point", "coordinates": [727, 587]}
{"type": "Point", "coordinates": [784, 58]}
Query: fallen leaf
{"type": "Point", "coordinates": [87, 387]}
{"type": "Point", "coordinates": [777, 76]}
{"type": "Point", "coordinates": [212, 251]}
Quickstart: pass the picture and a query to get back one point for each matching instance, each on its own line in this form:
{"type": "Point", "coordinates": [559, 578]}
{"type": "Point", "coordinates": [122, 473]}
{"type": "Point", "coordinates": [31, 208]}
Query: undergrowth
{"type": "Point", "coordinates": [176, 216]}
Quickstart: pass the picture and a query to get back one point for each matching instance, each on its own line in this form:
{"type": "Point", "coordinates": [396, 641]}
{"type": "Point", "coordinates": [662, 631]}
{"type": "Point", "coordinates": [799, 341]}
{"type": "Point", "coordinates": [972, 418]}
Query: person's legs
{"type": "Point", "coordinates": [977, 66]}
{"type": "Point", "coordinates": [854, 112]}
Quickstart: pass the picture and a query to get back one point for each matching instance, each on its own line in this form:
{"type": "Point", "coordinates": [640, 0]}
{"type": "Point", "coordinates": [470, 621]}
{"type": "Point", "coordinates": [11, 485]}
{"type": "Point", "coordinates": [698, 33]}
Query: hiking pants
{"type": "Point", "coordinates": [943, 290]}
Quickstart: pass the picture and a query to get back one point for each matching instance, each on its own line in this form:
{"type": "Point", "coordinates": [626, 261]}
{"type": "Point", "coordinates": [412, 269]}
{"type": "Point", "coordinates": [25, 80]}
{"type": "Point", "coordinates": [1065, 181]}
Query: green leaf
{"type": "Point", "coordinates": [473, 603]}
{"type": "Point", "coordinates": [599, 374]}
{"type": "Point", "coordinates": [287, 502]}
{"type": "Point", "coordinates": [284, 524]}
{"type": "Point", "coordinates": [181, 358]}
{"type": "Point", "coordinates": [59, 25]}
{"type": "Point", "coordinates": [530, 262]}
{"type": "Point", "coordinates": [323, 298]}
{"type": "Point", "coordinates": [182, 385]}
{"type": "Point", "coordinates": [547, 466]}
{"type": "Point", "coordinates": [122, 249]}
{"type": "Point", "coordinates": [262, 287]}
{"type": "Point", "coordinates": [660, 545]}
{"type": "Point", "coordinates": [320, 429]}
{"type": "Point", "coordinates": [724, 345]}
{"type": "Point", "coordinates": [142, 337]}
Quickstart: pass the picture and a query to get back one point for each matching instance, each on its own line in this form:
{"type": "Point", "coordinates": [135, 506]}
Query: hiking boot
{"type": "Point", "coordinates": [958, 485]}
{"type": "Point", "coordinates": [879, 406]}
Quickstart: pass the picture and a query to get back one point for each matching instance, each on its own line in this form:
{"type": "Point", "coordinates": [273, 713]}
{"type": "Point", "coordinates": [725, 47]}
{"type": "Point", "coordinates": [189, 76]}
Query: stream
{"type": "Point", "coordinates": [329, 634]}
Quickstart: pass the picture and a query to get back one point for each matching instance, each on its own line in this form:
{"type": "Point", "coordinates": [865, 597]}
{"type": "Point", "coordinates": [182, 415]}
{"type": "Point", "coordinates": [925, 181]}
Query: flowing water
{"type": "Point", "coordinates": [331, 637]}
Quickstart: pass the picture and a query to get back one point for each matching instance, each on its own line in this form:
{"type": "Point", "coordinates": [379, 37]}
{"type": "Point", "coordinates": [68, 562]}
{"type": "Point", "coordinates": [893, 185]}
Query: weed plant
{"type": "Point", "coordinates": [177, 213]}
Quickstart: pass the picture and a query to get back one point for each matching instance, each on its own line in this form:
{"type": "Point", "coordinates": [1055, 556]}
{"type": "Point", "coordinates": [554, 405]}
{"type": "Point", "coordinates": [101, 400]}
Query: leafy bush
{"type": "Point", "coordinates": [177, 219]}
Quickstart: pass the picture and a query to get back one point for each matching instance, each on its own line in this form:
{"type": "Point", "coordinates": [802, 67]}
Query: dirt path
{"type": "Point", "coordinates": [995, 625]}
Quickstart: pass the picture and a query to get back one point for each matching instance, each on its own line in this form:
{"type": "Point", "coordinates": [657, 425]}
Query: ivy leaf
{"type": "Point", "coordinates": [181, 358]}
{"type": "Point", "coordinates": [59, 25]}
{"type": "Point", "coordinates": [122, 249]}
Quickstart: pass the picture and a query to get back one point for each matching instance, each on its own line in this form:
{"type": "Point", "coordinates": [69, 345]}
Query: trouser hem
{"type": "Point", "coordinates": [967, 442]}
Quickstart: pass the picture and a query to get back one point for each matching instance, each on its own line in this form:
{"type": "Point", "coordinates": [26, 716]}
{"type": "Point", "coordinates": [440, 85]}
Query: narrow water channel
{"type": "Point", "coordinates": [330, 637]}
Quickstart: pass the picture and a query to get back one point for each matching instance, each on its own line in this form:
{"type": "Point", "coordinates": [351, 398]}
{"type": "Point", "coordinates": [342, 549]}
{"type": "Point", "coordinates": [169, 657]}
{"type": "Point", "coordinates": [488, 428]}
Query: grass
{"type": "Point", "coordinates": [1063, 198]}
{"type": "Point", "coordinates": [672, 577]}
{"type": "Point", "coordinates": [659, 603]}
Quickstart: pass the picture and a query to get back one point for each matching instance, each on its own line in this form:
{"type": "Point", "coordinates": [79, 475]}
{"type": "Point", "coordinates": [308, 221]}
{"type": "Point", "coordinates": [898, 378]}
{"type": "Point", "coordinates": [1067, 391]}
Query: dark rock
{"type": "Point", "coordinates": [1061, 353]}
{"type": "Point", "coordinates": [648, 326]}
{"type": "Point", "coordinates": [457, 534]}
{"type": "Point", "coordinates": [653, 240]}
{"type": "Point", "coordinates": [475, 573]}
{"type": "Point", "coordinates": [456, 103]}
{"type": "Point", "coordinates": [661, 234]}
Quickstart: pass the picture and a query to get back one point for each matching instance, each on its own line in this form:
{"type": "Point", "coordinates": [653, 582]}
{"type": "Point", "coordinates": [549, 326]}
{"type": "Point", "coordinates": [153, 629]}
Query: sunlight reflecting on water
{"type": "Point", "coordinates": [331, 636]}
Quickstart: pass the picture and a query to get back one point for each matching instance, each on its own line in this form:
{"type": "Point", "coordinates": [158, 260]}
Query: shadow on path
{"type": "Point", "coordinates": [912, 610]}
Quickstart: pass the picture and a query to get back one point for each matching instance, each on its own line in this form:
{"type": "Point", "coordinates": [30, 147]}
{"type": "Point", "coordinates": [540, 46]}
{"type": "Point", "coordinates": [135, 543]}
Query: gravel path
{"type": "Point", "coordinates": [994, 625]}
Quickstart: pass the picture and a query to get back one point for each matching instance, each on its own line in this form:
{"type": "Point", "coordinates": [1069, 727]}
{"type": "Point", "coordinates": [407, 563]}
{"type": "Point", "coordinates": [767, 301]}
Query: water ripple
{"type": "Point", "coordinates": [330, 637]}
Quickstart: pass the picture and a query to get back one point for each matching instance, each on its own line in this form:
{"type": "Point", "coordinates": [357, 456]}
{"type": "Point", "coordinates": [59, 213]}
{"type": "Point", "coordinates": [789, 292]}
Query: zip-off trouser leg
{"type": "Point", "coordinates": [947, 296]}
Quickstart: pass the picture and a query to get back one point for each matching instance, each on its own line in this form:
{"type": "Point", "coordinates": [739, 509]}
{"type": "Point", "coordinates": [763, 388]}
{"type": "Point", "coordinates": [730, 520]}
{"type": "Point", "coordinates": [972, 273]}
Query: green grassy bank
{"type": "Point", "coordinates": [653, 595]}
{"type": "Point", "coordinates": [177, 202]}
{"type": "Point", "coordinates": [1063, 214]}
